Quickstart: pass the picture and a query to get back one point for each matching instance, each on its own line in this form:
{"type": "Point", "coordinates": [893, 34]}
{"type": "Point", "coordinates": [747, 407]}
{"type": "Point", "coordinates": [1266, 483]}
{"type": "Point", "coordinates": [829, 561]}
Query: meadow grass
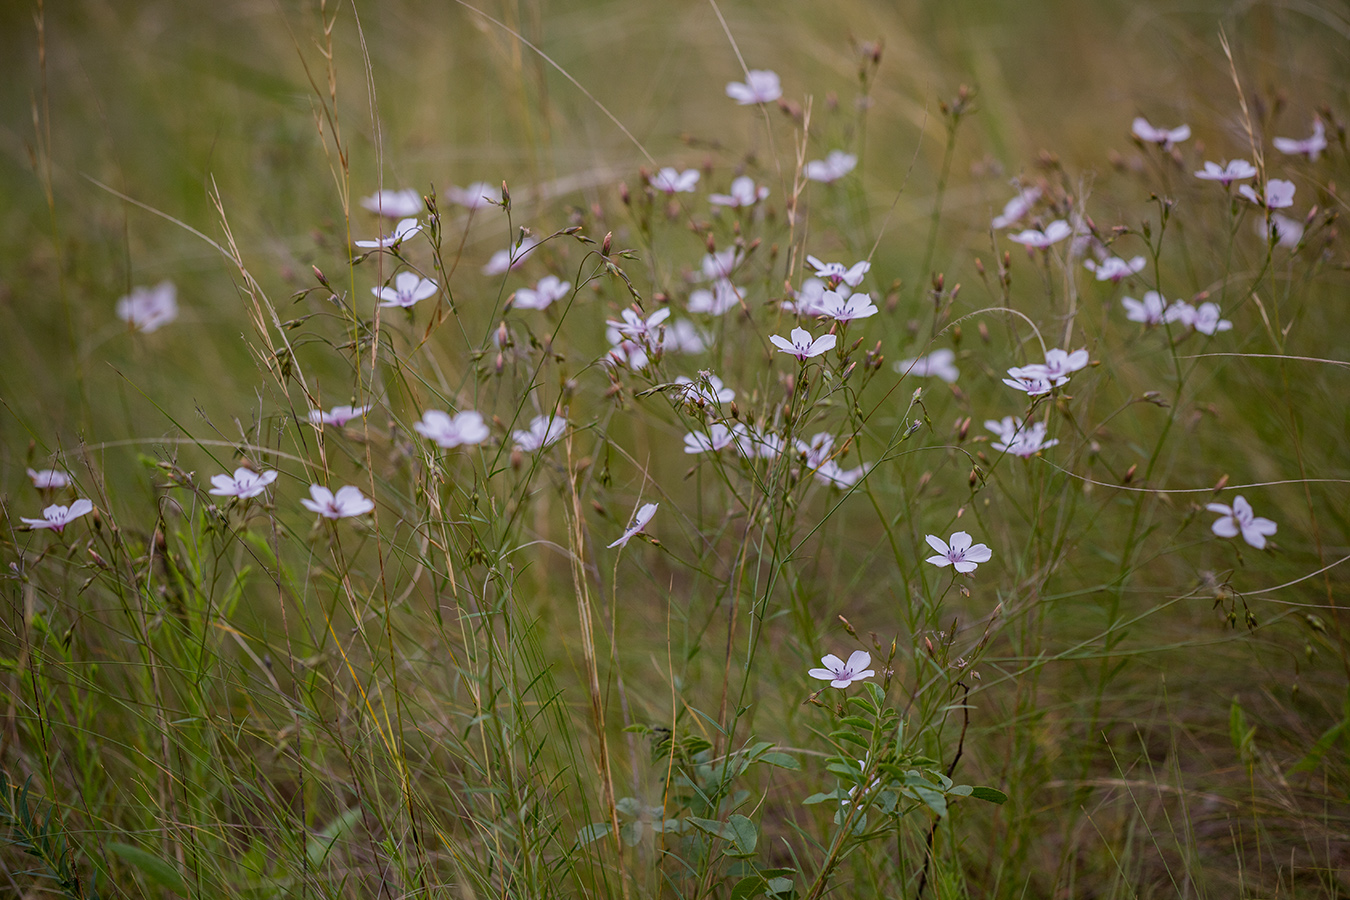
{"type": "Point", "coordinates": [470, 685]}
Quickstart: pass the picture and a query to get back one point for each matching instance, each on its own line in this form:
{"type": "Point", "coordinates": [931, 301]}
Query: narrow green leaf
{"type": "Point", "coordinates": [161, 872]}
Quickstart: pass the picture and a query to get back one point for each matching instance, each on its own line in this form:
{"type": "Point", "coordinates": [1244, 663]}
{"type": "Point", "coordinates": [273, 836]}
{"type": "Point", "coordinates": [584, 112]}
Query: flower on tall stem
{"type": "Point", "coordinates": [1017, 207]}
{"type": "Point", "coordinates": [641, 517]}
{"type": "Point", "coordinates": [833, 167]}
{"type": "Point", "coordinates": [405, 229]}
{"type": "Point", "coordinates": [504, 261]}
{"type": "Point", "coordinates": [802, 345]}
{"type": "Point", "coordinates": [245, 483]}
{"type": "Point", "coordinates": [347, 502]}
{"type": "Point", "coordinates": [149, 309]}
{"type": "Point", "coordinates": [1035, 238]}
{"type": "Point", "coordinates": [49, 479]}
{"type": "Point", "coordinates": [1278, 195]}
{"type": "Point", "coordinates": [1163, 137]}
{"type": "Point", "coordinates": [446, 431]}
{"type": "Point", "coordinates": [543, 431]}
{"type": "Point", "coordinates": [744, 192]}
{"type": "Point", "coordinates": [760, 86]}
{"type": "Point", "coordinates": [1229, 172]}
{"type": "Point", "coordinates": [394, 204]}
{"type": "Point", "coordinates": [1311, 146]}
{"type": "Point", "coordinates": [57, 517]}
{"type": "Point", "coordinates": [473, 196]}
{"type": "Point", "coordinates": [338, 415]}
{"type": "Point", "coordinates": [841, 674]}
{"type": "Point", "coordinates": [1239, 519]}
{"type": "Point", "coordinates": [959, 553]}
{"type": "Point", "coordinates": [409, 287]}
{"type": "Point", "coordinates": [546, 291]}
{"type": "Point", "coordinates": [672, 181]}
{"type": "Point", "coordinates": [938, 364]}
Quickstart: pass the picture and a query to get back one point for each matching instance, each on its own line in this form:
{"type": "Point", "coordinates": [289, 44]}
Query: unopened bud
{"type": "Point", "coordinates": [500, 363]}
{"type": "Point", "coordinates": [605, 244]}
{"type": "Point", "coordinates": [506, 196]}
{"type": "Point", "coordinates": [1129, 474]}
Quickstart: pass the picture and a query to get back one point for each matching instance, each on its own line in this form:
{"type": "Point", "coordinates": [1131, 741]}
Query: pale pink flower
{"type": "Point", "coordinates": [1150, 311]}
{"type": "Point", "coordinates": [817, 452]}
{"type": "Point", "coordinates": [834, 166]}
{"type": "Point", "coordinates": [938, 364]}
{"type": "Point", "coordinates": [834, 475]}
{"type": "Point", "coordinates": [959, 553]}
{"type": "Point", "coordinates": [405, 229]}
{"type": "Point", "coordinates": [718, 266]}
{"type": "Point", "coordinates": [409, 287]}
{"type": "Point", "coordinates": [149, 309]}
{"type": "Point", "coordinates": [442, 429]}
{"type": "Point", "coordinates": [708, 390]}
{"type": "Point", "coordinates": [543, 431]}
{"type": "Point", "coordinates": [550, 288]}
{"type": "Point", "coordinates": [834, 272]}
{"type": "Point", "coordinates": [1017, 438]}
{"type": "Point", "coordinates": [338, 415]}
{"type": "Point", "coordinates": [245, 483]}
{"type": "Point", "coordinates": [1017, 207]}
{"type": "Point", "coordinates": [683, 336]}
{"type": "Point", "coordinates": [1207, 319]}
{"type": "Point", "coordinates": [641, 517]}
{"type": "Point", "coordinates": [842, 309]}
{"type": "Point", "coordinates": [347, 502]}
{"type": "Point", "coordinates": [841, 674]}
{"type": "Point", "coordinates": [1279, 194]}
{"type": "Point", "coordinates": [810, 298]}
{"type": "Point", "coordinates": [1032, 380]}
{"type": "Point", "coordinates": [718, 438]}
{"type": "Point", "coordinates": [635, 328]}
{"type": "Point", "coordinates": [723, 298]}
{"type": "Point", "coordinates": [1163, 137]}
{"type": "Point", "coordinates": [743, 193]}
{"type": "Point", "coordinates": [1233, 170]}
{"type": "Point", "coordinates": [761, 86]}
{"type": "Point", "coordinates": [394, 204]}
{"type": "Point", "coordinates": [802, 345]}
{"type": "Point", "coordinates": [474, 196]}
{"type": "Point", "coordinates": [1310, 147]}
{"type": "Point", "coordinates": [1113, 268]}
{"type": "Point", "coordinates": [57, 517]}
{"type": "Point", "coordinates": [672, 181]}
{"type": "Point", "coordinates": [1055, 232]}
{"type": "Point", "coordinates": [1239, 519]}
{"type": "Point", "coordinates": [1288, 232]}
{"type": "Point", "coordinates": [504, 261]}
{"type": "Point", "coordinates": [49, 479]}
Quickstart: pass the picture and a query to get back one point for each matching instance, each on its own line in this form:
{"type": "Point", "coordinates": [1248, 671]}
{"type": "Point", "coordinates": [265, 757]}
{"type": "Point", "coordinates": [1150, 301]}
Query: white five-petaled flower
{"type": "Point", "coordinates": [720, 265]}
{"type": "Point", "coordinates": [1029, 379]}
{"type": "Point", "coordinates": [1062, 362]}
{"type": "Point", "coordinates": [832, 474]}
{"type": "Point", "coordinates": [245, 483]}
{"type": "Point", "coordinates": [1041, 378]}
{"type": "Point", "coordinates": [49, 479]}
{"type": "Point", "coordinates": [347, 502]}
{"type": "Point", "coordinates": [721, 299]}
{"type": "Point", "coordinates": [1018, 439]}
{"type": "Point", "coordinates": [1310, 147]}
{"type": "Point", "coordinates": [817, 452]}
{"type": "Point", "coordinates": [640, 519]}
{"type": "Point", "coordinates": [338, 415]}
{"type": "Point", "coordinates": [504, 261]}
{"type": "Point", "coordinates": [548, 289]}
{"type": "Point", "coordinates": [802, 345]}
{"type": "Point", "coordinates": [846, 309]}
{"type": "Point", "coordinates": [938, 364]}
{"type": "Point", "coordinates": [809, 300]}
{"type": "Point", "coordinates": [394, 204]}
{"type": "Point", "coordinates": [543, 431]}
{"type": "Point", "coordinates": [473, 196]}
{"type": "Point", "coordinates": [1113, 268]}
{"type": "Point", "coordinates": [707, 390]}
{"type": "Point", "coordinates": [635, 328]}
{"type": "Point", "coordinates": [1279, 194]}
{"type": "Point", "coordinates": [148, 309]}
{"type": "Point", "coordinates": [444, 430]}
{"type": "Point", "coordinates": [1163, 137]}
{"type": "Point", "coordinates": [1055, 232]}
{"type": "Point", "coordinates": [405, 229]}
{"type": "Point", "coordinates": [1150, 311]}
{"type": "Point", "coordinates": [1287, 232]}
{"type": "Point", "coordinates": [761, 86]}
{"type": "Point", "coordinates": [718, 438]}
{"type": "Point", "coordinates": [1017, 207]}
{"type": "Point", "coordinates": [57, 517]}
{"type": "Point", "coordinates": [959, 553]}
{"type": "Point", "coordinates": [841, 674]}
{"type": "Point", "coordinates": [672, 181]}
{"type": "Point", "coordinates": [834, 272]}
{"type": "Point", "coordinates": [1239, 518]}
{"type": "Point", "coordinates": [1204, 319]}
{"type": "Point", "coordinates": [744, 192]}
{"type": "Point", "coordinates": [1229, 172]}
{"type": "Point", "coordinates": [409, 287]}
{"type": "Point", "coordinates": [834, 166]}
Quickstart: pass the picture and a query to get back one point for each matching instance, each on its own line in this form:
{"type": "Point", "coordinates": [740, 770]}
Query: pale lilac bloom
{"type": "Point", "coordinates": [1180, 311]}
{"type": "Point", "coordinates": [504, 261]}
{"type": "Point", "coordinates": [1150, 311]}
{"type": "Point", "coordinates": [802, 345]}
{"type": "Point", "coordinates": [1288, 232]}
{"type": "Point", "coordinates": [625, 353]}
{"type": "Point", "coordinates": [708, 389]}
{"type": "Point", "coordinates": [1018, 439]}
{"type": "Point", "coordinates": [761, 86]}
{"type": "Point", "coordinates": [1055, 232]}
{"type": "Point", "coordinates": [1279, 194]}
{"type": "Point", "coordinates": [543, 431]}
{"type": "Point", "coordinates": [762, 444]}
{"type": "Point", "coordinates": [640, 519]}
{"type": "Point", "coordinates": [683, 337]}
{"type": "Point", "coordinates": [846, 309]}
{"type": "Point", "coordinates": [817, 452]}
{"type": "Point", "coordinates": [834, 166]}
{"type": "Point", "coordinates": [938, 364]}
{"type": "Point", "coordinates": [57, 517]}
{"type": "Point", "coordinates": [959, 553]}
{"type": "Point", "coordinates": [635, 328]}
{"type": "Point", "coordinates": [834, 272]}
{"type": "Point", "coordinates": [548, 289]}
{"type": "Point", "coordinates": [245, 483]}
{"type": "Point", "coordinates": [409, 287]}
{"type": "Point", "coordinates": [462, 429]}
{"type": "Point", "coordinates": [1239, 518]}
{"type": "Point", "coordinates": [810, 298]}
{"type": "Point", "coordinates": [49, 479]}
{"type": "Point", "coordinates": [718, 266]}
{"type": "Point", "coordinates": [671, 181]}
{"type": "Point", "coordinates": [1033, 380]}
{"type": "Point", "coordinates": [841, 674]}
{"type": "Point", "coordinates": [744, 192]}
{"type": "Point", "coordinates": [347, 502]}
{"type": "Point", "coordinates": [149, 309]}
{"type": "Point", "coordinates": [1233, 170]}
{"type": "Point", "coordinates": [832, 474]}
{"type": "Point", "coordinates": [723, 298]}
{"type": "Point", "coordinates": [1113, 268]}
{"type": "Point", "coordinates": [405, 229]}
{"type": "Point", "coordinates": [1062, 363]}
{"type": "Point", "coordinates": [474, 196]}
{"type": "Point", "coordinates": [338, 415]}
{"type": "Point", "coordinates": [1310, 147]}
{"type": "Point", "coordinates": [1017, 207]}
{"type": "Point", "coordinates": [394, 204]}
{"type": "Point", "coordinates": [718, 438]}
{"type": "Point", "coordinates": [1207, 319]}
{"type": "Point", "coordinates": [1163, 137]}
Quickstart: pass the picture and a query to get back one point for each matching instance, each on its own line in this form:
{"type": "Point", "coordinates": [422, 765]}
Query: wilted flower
{"type": "Point", "coordinates": [834, 272]}
{"type": "Point", "coordinates": [405, 229]}
{"type": "Point", "coordinates": [338, 415]}
{"type": "Point", "coordinates": [1310, 147]}
{"type": "Point", "coordinates": [1113, 268]}
{"type": "Point", "coordinates": [544, 293]}
{"type": "Point", "coordinates": [504, 261]}
{"type": "Point", "coordinates": [349, 501]}
{"type": "Point", "coordinates": [723, 297]}
{"type": "Point", "coordinates": [841, 674]}
{"type": "Point", "coordinates": [802, 346]}
{"type": "Point", "coordinates": [671, 181]}
{"type": "Point", "coordinates": [834, 166]}
{"type": "Point", "coordinates": [1150, 310]}
{"type": "Point", "coordinates": [394, 204]}
{"type": "Point", "coordinates": [1163, 137]}
{"type": "Point", "coordinates": [640, 519]}
{"type": "Point", "coordinates": [744, 192]}
{"type": "Point", "coordinates": [938, 364]}
{"type": "Point", "coordinates": [761, 86]}
{"type": "Point", "coordinates": [49, 479]}
{"type": "Point", "coordinates": [1017, 207]}
{"type": "Point", "coordinates": [245, 483]}
{"type": "Point", "coordinates": [409, 287]}
{"type": "Point", "coordinates": [1239, 518]}
{"type": "Point", "coordinates": [1233, 170]}
{"type": "Point", "coordinates": [1056, 231]}
{"type": "Point", "coordinates": [959, 553]}
{"type": "Point", "coordinates": [708, 389]}
{"type": "Point", "coordinates": [57, 517]}
{"type": "Point", "coordinates": [448, 431]}
{"type": "Point", "coordinates": [543, 431]}
{"type": "Point", "coordinates": [1018, 439]}
{"type": "Point", "coordinates": [148, 309]}
{"type": "Point", "coordinates": [475, 196]}
{"type": "Point", "coordinates": [1279, 194]}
